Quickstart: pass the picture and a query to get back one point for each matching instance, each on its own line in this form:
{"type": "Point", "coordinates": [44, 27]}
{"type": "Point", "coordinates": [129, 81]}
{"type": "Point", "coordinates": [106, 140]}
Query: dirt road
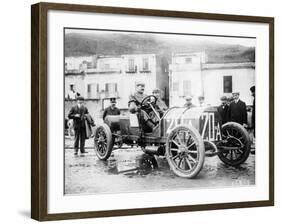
{"type": "Point", "coordinates": [130, 170]}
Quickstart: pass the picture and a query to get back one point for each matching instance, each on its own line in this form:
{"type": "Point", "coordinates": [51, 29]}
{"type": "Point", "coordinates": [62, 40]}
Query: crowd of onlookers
{"type": "Point", "coordinates": [231, 109]}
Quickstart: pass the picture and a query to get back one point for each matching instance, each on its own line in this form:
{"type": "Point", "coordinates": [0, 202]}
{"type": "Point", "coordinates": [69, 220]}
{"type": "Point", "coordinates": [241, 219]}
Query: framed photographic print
{"type": "Point", "coordinates": [139, 111]}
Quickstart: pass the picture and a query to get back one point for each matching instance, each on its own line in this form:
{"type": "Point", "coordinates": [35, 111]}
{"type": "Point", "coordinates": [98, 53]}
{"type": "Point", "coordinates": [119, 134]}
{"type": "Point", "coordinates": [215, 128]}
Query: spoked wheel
{"type": "Point", "coordinates": [103, 142]}
{"type": "Point", "coordinates": [185, 151]}
{"type": "Point", "coordinates": [235, 147]}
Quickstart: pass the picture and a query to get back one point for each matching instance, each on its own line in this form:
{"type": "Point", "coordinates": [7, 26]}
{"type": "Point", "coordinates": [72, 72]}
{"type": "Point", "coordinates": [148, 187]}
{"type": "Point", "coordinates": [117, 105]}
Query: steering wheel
{"type": "Point", "coordinates": [147, 100]}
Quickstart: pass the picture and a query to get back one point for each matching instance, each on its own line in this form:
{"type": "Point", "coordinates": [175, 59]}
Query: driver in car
{"type": "Point", "coordinates": [139, 94]}
{"type": "Point", "coordinates": [134, 104]}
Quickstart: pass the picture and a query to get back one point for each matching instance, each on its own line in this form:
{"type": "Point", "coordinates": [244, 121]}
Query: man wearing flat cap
{"type": "Point", "coordinates": [139, 94]}
{"type": "Point", "coordinates": [112, 109]}
{"type": "Point", "coordinates": [223, 110]}
{"type": "Point", "coordinates": [188, 102]}
{"type": "Point", "coordinates": [160, 103]}
{"type": "Point", "coordinates": [78, 114]}
{"type": "Point", "coordinates": [134, 107]}
{"type": "Point", "coordinates": [237, 110]}
{"type": "Point", "coordinates": [201, 100]}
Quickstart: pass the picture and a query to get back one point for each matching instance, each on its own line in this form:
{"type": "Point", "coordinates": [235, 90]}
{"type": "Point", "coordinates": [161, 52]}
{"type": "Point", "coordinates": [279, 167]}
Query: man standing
{"type": "Point", "coordinates": [188, 102]}
{"type": "Point", "coordinates": [253, 90]}
{"type": "Point", "coordinates": [77, 113]}
{"type": "Point", "coordinates": [201, 100]}
{"type": "Point", "coordinates": [223, 110]}
{"type": "Point", "coordinates": [112, 109]}
{"type": "Point", "coordinates": [237, 110]}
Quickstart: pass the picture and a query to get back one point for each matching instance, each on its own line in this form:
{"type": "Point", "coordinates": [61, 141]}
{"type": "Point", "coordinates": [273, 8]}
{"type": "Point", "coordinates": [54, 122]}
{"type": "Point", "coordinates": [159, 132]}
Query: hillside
{"type": "Point", "coordinates": [116, 44]}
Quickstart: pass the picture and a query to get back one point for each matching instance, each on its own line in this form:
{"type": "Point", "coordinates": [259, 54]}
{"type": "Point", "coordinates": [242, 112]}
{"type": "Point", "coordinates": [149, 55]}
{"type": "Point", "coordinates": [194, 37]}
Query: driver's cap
{"type": "Point", "coordinates": [140, 83]}
{"type": "Point", "coordinates": [156, 90]}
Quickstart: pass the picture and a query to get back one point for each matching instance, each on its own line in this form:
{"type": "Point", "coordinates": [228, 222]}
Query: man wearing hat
{"type": "Point", "coordinates": [237, 110]}
{"type": "Point", "coordinates": [77, 113]}
{"type": "Point", "coordinates": [112, 109]}
{"type": "Point", "coordinates": [229, 100]}
{"type": "Point", "coordinates": [188, 102]}
{"type": "Point", "coordinates": [160, 103]}
{"type": "Point", "coordinates": [134, 107]}
{"type": "Point", "coordinates": [139, 94]}
{"type": "Point", "coordinates": [201, 100]}
{"type": "Point", "coordinates": [253, 91]}
{"type": "Point", "coordinates": [223, 110]}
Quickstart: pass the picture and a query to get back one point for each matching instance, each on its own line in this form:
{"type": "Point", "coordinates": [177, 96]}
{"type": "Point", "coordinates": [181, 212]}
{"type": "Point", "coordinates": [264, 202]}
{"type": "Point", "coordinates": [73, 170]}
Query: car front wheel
{"type": "Point", "coordinates": [185, 151]}
{"type": "Point", "coordinates": [103, 142]}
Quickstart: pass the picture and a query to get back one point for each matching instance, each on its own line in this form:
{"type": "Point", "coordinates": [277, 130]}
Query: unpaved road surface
{"type": "Point", "coordinates": [130, 170]}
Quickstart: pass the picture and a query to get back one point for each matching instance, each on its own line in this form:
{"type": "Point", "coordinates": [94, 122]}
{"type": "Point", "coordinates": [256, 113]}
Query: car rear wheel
{"type": "Point", "coordinates": [236, 145]}
{"type": "Point", "coordinates": [185, 151]}
{"type": "Point", "coordinates": [103, 142]}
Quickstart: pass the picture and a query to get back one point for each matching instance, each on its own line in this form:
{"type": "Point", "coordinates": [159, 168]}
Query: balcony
{"type": "Point", "coordinates": [145, 71]}
{"type": "Point", "coordinates": [106, 95]}
{"type": "Point", "coordinates": [93, 95]}
{"type": "Point", "coordinates": [93, 71]}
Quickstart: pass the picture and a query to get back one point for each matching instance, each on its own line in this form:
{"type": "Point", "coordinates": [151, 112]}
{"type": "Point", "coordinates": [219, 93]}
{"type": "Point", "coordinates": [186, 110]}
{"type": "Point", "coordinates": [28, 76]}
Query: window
{"type": "Point", "coordinates": [175, 86]}
{"type": "Point", "coordinates": [186, 87]}
{"type": "Point", "coordinates": [106, 66]}
{"type": "Point", "coordinates": [71, 87]}
{"type": "Point", "coordinates": [111, 87]}
{"type": "Point", "coordinates": [227, 84]}
{"type": "Point", "coordinates": [145, 65]}
{"type": "Point", "coordinates": [188, 60]}
{"type": "Point", "coordinates": [93, 90]}
{"type": "Point", "coordinates": [131, 65]}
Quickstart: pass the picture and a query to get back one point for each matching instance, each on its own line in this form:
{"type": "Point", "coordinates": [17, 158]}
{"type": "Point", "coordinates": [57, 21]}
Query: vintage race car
{"type": "Point", "coordinates": [184, 136]}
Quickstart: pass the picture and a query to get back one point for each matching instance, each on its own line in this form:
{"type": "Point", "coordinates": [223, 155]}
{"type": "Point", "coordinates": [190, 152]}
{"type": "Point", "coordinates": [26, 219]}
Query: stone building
{"type": "Point", "coordinates": [191, 74]}
{"type": "Point", "coordinates": [97, 78]}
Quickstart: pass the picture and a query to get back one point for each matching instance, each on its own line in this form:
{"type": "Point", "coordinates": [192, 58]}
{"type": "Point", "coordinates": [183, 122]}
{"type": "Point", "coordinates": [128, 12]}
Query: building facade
{"type": "Point", "coordinates": [98, 78]}
{"type": "Point", "coordinates": [190, 74]}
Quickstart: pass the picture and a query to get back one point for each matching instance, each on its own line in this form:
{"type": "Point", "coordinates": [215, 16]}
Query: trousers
{"type": "Point", "coordinates": [79, 136]}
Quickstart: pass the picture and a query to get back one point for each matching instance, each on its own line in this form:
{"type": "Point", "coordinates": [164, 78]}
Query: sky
{"type": "Point", "coordinates": [247, 42]}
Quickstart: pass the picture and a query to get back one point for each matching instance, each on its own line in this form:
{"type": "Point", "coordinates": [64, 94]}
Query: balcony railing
{"type": "Point", "coordinates": [94, 96]}
{"type": "Point", "coordinates": [103, 70]}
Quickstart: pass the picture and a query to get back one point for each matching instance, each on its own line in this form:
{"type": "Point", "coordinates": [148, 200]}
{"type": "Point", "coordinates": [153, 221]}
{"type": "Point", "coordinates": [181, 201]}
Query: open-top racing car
{"type": "Point", "coordinates": [184, 136]}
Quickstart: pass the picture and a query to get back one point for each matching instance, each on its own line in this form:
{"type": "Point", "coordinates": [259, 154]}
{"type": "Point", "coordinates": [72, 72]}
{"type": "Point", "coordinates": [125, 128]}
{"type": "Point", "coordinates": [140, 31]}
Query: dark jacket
{"type": "Point", "coordinates": [224, 113]}
{"type": "Point", "coordinates": [89, 122]}
{"type": "Point", "coordinates": [137, 97]}
{"type": "Point", "coordinates": [238, 112]}
{"type": "Point", "coordinates": [254, 114]}
{"type": "Point", "coordinates": [110, 111]}
{"type": "Point", "coordinates": [79, 122]}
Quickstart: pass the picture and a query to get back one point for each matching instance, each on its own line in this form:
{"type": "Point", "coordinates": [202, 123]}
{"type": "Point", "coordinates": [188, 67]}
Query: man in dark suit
{"type": "Point", "coordinates": [223, 110]}
{"type": "Point", "coordinates": [237, 110]}
{"type": "Point", "coordinates": [77, 113]}
{"type": "Point", "coordinates": [112, 109]}
{"type": "Point", "coordinates": [253, 90]}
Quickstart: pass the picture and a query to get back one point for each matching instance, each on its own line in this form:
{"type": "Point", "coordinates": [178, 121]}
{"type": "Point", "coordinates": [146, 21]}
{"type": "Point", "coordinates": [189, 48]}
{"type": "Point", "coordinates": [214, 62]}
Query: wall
{"type": "Point", "coordinates": [15, 145]}
{"type": "Point", "coordinates": [117, 73]}
{"type": "Point", "coordinates": [78, 81]}
{"type": "Point", "coordinates": [213, 92]}
{"type": "Point", "coordinates": [74, 62]}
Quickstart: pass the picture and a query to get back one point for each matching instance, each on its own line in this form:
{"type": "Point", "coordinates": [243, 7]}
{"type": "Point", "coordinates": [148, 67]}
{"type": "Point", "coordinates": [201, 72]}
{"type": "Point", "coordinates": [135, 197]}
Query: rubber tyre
{"type": "Point", "coordinates": [103, 152]}
{"type": "Point", "coordinates": [246, 140]}
{"type": "Point", "coordinates": [199, 148]}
